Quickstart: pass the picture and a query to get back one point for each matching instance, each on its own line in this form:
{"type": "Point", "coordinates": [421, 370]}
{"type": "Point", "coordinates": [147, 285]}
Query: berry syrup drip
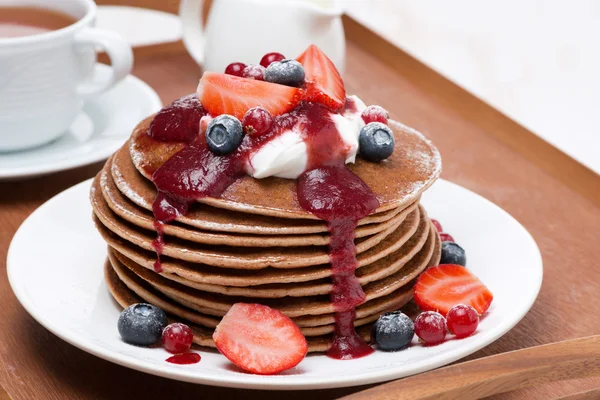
{"type": "Point", "coordinates": [192, 173]}
{"type": "Point", "coordinates": [334, 194]}
{"type": "Point", "coordinates": [350, 105]}
{"type": "Point", "coordinates": [158, 244]}
{"type": "Point", "coordinates": [324, 144]}
{"type": "Point", "coordinates": [184, 359]}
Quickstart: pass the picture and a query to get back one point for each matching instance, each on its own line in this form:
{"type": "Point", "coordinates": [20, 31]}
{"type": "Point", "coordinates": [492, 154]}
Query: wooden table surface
{"type": "Point", "coordinates": [482, 151]}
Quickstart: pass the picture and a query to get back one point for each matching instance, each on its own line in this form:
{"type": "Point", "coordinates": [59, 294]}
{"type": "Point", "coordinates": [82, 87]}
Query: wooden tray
{"type": "Point", "coordinates": [556, 198]}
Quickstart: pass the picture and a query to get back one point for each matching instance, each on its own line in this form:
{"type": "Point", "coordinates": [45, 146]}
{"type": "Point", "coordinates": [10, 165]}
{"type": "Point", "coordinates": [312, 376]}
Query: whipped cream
{"type": "Point", "coordinates": [286, 156]}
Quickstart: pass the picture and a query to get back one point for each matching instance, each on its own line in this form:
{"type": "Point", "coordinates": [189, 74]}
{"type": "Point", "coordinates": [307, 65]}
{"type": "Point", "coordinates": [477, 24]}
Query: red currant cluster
{"type": "Point", "coordinates": [256, 72]}
{"type": "Point", "coordinates": [431, 326]}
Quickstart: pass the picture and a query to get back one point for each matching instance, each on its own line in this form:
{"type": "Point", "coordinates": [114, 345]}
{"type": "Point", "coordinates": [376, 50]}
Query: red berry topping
{"type": "Point", "coordinates": [430, 327]}
{"type": "Point", "coordinates": [437, 225]}
{"type": "Point", "coordinates": [178, 122]}
{"type": "Point", "coordinates": [323, 81]}
{"type": "Point", "coordinates": [441, 288]}
{"type": "Point", "coordinates": [177, 338]}
{"type": "Point", "coordinates": [226, 94]}
{"type": "Point", "coordinates": [375, 114]}
{"type": "Point", "coordinates": [271, 58]}
{"type": "Point", "coordinates": [462, 320]}
{"type": "Point", "coordinates": [257, 121]}
{"type": "Point", "coordinates": [259, 339]}
{"type": "Point", "coordinates": [254, 72]}
{"type": "Point", "coordinates": [235, 69]}
{"type": "Point", "coordinates": [445, 237]}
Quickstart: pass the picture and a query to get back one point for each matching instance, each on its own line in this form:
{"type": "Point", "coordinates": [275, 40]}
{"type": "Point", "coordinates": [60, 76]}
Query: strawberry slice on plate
{"type": "Point", "coordinates": [228, 94]}
{"type": "Point", "coordinates": [441, 288]}
{"type": "Point", "coordinates": [323, 81]}
{"type": "Point", "coordinates": [259, 339]}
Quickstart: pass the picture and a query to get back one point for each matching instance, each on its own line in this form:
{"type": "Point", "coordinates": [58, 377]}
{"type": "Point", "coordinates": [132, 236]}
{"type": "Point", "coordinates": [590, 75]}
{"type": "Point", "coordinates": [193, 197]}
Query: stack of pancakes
{"type": "Point", "coordinates": [255, 244]}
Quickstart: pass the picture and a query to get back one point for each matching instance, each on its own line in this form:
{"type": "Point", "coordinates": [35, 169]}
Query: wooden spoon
{"type": "Point", "coordinates": [576, 358]}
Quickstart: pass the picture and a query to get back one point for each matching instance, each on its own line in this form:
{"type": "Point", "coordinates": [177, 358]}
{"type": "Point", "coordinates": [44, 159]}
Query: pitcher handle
{"type": "Point", "coordinates": [190, 14]}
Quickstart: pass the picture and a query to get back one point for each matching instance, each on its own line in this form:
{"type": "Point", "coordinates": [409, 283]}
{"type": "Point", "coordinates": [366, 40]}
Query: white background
{"type": "Point", "coordinates": [536, 61]}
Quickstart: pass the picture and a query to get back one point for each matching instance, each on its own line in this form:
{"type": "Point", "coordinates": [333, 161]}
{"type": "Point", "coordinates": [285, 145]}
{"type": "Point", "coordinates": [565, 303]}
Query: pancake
{"type": "Point", "coordinates": [397, 181]}
{"type": "Point", "coordinates": [142, 218]}
{"type": "Point", "coordinates": [202, 273]}
{"type": "Point", "coordinates": [142, 192]}
{"type": "Point", "coordinates": [242, 257]}
{"type": "Point", "coordinates": [320, 285]}
{"type": "Point", "coordinates": [255, 244]}
{"type": "Point", "coordinates": [203, 335]}
{"type": "Point", "coordinates": [218, 305]}
{"type": "Point", "coordinates": [310, 325]}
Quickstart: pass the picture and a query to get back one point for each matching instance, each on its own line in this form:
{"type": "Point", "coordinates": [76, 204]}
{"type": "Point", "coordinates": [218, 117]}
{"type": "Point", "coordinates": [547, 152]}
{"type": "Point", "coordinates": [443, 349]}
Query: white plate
{"type": "Point", "coordinates": [58, 278]}
{"type": "Point", "coordinates": [98, 131]}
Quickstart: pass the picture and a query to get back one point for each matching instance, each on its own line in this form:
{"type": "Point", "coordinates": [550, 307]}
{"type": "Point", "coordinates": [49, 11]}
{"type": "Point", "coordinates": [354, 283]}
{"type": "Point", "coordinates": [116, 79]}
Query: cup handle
{"type": "Point", "coordinates": [190, 14]}
{"type": "Point", "coordinates": [119, 52]}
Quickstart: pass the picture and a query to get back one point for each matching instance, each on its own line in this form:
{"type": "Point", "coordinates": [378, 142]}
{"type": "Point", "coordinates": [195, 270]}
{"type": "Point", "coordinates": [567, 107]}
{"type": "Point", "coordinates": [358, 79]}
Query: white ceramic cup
{"type": "Point", "coordinates": [45, 78]}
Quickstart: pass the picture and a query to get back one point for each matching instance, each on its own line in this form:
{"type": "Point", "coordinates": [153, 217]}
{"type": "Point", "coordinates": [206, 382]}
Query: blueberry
{"type": "Point", "coordinates": [224, 134]}
{"type": "Point", "coordinates": [393, 331]}
{"type": "Point", "coordinates": [142, 324]}
{"type": "Point", "coordinates": [453, 254]}
{"type": "Point", "coordinates": [285, 72]}
{"type": "Point", "coordinates": [376, 141]}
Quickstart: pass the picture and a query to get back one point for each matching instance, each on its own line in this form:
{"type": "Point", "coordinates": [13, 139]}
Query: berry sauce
{"type": "Point", "coordinates": [158, 244]}
{"type": "Point", "coordinates": [178, 122]}
{"type": "Point", "coordinates": [328, 189]}
{"type": "Point", "coordinates": [184, 359]}
{"type": "Point", "coordinates": [192, 173]}
{"type": "Point", "coordinates": [334, 194]}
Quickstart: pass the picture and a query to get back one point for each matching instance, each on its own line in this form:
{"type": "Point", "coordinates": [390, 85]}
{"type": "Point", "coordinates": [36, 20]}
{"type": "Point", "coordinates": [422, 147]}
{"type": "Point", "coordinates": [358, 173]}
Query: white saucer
{"type": "Point", "coordinates": [61, 285]}
{"type": "Point", "coordinates": [100, 129]}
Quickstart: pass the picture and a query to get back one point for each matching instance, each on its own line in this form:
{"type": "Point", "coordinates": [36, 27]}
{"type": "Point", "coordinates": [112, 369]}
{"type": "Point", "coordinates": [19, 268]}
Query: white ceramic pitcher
{"type": "Point", "coordinates": [245, 30]}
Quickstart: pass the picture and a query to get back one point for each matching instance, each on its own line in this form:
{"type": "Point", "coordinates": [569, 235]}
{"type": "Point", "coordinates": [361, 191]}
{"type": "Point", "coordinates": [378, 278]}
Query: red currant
{"type": "Point", "coordinates": [375, 114]}
{"type": "Point", "coordinates": [236, 69]}
{"type": "Point", "coordinates": [270, 58]}
{"type": "Point", "coordinates": [430, 327]}
{"type": "Point", "coordinates": [462, 320]}
{"type": "Point", "coordinates": [446, 237]}
{"type": "Point", "coordinates": [257, 121]}
{"type": "Point", "coordinates": [437, 225]}
{"type": "Point", "coordinates": [256, 72]}
{"type": "Point", "coordinates": [177, 338]}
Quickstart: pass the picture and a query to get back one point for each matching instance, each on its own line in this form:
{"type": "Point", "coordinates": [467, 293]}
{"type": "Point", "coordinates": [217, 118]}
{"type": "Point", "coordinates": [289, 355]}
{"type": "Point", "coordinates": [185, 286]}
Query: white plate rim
{"type": "Point", "coordinates": [70, 163]}
{"type": "Point", "coordinates": [250, 381]}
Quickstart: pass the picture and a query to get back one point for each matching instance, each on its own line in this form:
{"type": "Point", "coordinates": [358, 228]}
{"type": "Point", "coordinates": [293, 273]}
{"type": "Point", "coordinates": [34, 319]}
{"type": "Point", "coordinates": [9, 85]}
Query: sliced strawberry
{"type": "Point", "coordinates": [228, 94]}
{"type": "Point", "coordinates": [260, 339]}
{"type": "Point", "coordinates": [441, 288]}
{"type": "Point", "coordinates": [323, 81]}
